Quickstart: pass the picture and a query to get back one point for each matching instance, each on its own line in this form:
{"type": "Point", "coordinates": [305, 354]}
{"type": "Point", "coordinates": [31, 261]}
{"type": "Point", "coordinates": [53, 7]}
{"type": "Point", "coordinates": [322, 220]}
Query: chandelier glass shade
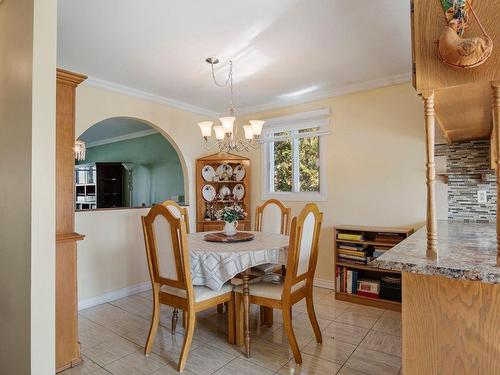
{"type": "Point", "coordinates": [79, 150]}
{"type": "Point", "coordinates": [225, 132]}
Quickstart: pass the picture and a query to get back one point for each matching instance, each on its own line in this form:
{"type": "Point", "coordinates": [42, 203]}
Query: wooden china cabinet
{"type": "Point", "coordinates": [67, 345]}
{"type": "Point", "coordinates": [215, 175]}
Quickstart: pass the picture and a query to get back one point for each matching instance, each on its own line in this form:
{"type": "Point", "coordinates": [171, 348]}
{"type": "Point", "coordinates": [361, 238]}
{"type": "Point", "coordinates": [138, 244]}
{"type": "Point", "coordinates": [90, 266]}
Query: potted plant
{"type": "Point", "coordinates": [230, 215]}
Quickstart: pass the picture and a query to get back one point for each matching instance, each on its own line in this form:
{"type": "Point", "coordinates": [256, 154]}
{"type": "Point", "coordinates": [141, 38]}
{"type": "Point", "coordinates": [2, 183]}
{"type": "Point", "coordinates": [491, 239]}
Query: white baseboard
{"type": "Point", "coordinates": [125, 292]}
{"type": "Point", "coordinates": [322, 283]}
{"type": "Point", "coordinates": [114, 295]}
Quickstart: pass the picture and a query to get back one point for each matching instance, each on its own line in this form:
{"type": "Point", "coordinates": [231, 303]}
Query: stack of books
{"type": "Point", "coordinates": [369, 288]}
{"type": "Point", "coordinates": [389, 238]}
{"type": "Point", "coordinates": [347, 280]}
{"type": "Point", "coordinates": [353, 253]}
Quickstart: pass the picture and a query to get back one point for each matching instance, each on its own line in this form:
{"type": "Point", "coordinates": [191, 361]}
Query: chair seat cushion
{"type": "Point", "coordinates": [268, 289]}
{"type": "Point", "coordinates": [201, 293]}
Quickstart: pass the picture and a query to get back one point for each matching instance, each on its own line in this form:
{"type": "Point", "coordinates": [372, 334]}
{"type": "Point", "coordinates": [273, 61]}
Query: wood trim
{"type": "Point", "coordinates": [67, 344]}
{"type": "Point", "coordinates": [367, 301]}
{"type": "Point", "coordinates": [358, 228]}
{"type": "Point", "coordinates": [66, 77]}
{"type": "Point", "coordinates": [69, 237]}
{"type": "Point", "coordinates": [430, 131]}
{"type": "Point", "coordinates": [496, 120]}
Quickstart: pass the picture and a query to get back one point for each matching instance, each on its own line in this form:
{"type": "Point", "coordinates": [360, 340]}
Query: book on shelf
{"type": "Point", "coordinates": [352, 257]}
{"type": "Point", "coordinates": [350, 236]}
{"type": "Point", "coordinates": [389, 238]}
{"type": "Point", "coordinates": [352, 246]}
{"type": "Point", "coordinates": [347, 280]}
{"type": "Point", "coordinates": [369, 286]}
{"type": "Point", "coordinates": [378, 252]}
{"type": "Point", "coordinates": [352, 252]}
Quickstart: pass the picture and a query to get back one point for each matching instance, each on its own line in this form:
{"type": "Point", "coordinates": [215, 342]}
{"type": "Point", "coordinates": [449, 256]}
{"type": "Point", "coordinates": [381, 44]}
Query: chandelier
{"type": "Point", "coordinates": [79, 150]}
{"type": "Point", "coordinates": [225, 133]}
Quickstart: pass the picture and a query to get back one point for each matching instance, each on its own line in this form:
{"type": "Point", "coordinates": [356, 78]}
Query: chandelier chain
{"type": "Point", "coordinates": [229, 81]}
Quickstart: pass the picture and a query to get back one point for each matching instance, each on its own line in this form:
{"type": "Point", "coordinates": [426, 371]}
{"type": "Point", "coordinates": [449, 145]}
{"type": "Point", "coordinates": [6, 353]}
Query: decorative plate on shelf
{"type": "Point", "coordinates": [223, 191]}
{"type": "Point", "coordinates": [239, 191]}
{"type": "Point", "coordinates": [224, 169]}
{"type": "Point", "coordinates": [208, 173]}
{"type": "Point", "coordinates": [239, 172]}
{"type": "Point", "coordinates": [208, 192]}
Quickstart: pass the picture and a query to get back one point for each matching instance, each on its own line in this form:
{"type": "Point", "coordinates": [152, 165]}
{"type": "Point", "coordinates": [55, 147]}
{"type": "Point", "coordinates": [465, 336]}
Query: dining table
{"type": "Point", "coordinates": [215, 263]}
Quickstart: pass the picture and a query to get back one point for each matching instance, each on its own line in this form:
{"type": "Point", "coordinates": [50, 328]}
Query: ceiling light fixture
{"type": "Point", "coordinates": [80, 150]}
{"type": "Point", "coordinates": [225, 133]}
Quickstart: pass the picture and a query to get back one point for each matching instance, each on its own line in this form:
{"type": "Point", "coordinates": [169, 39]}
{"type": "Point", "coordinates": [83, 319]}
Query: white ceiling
{"type": "Point", "coordinates": [285, 51]}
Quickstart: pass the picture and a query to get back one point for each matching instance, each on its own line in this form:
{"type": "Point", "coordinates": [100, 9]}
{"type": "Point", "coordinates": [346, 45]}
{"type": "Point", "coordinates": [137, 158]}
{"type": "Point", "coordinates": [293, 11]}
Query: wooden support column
{"type": "Point", "coordinates": [428, 98]}
{"type": "Point", "coordinates": [496, 128]}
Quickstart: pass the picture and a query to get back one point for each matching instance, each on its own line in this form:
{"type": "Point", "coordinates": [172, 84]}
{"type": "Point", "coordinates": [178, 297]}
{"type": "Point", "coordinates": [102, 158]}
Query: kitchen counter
{"type": "Point", "coordinates": [466, 251]}
{"type": "Point", "coordinates": [450, 305]}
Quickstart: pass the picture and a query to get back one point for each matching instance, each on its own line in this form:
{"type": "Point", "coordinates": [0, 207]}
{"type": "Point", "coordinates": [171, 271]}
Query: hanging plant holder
{"type": "Point", "coordinates": [453, 48]}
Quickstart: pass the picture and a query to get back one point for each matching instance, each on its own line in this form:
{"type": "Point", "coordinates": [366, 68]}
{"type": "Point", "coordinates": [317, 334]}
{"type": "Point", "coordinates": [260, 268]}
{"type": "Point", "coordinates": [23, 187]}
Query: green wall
{"type": "Point", "coordinates": [158, 173]}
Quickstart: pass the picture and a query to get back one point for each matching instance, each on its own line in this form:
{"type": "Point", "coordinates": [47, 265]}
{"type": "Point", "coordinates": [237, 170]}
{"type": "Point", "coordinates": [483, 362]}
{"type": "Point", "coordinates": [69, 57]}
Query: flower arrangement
{"type": "Point", "coordinates": [231, 213]}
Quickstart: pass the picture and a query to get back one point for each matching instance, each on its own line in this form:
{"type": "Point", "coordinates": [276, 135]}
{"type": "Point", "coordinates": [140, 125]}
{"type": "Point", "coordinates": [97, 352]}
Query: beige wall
{"type": "Point", "coordinates": [375, 176]}
{"type": "Point", "coordinates": [27, 186]}
{"type": "Point", "coordinates": [112, 256]}
{"type": "Point", "coordinates": [376, 163]}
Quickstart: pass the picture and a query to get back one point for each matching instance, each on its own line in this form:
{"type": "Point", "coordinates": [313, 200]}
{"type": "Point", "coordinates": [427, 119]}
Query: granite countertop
{"type": "Point", "coordinates": [466, 251]}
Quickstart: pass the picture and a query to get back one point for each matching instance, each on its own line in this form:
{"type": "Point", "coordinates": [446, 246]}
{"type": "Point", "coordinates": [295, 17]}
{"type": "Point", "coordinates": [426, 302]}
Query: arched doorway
{"type": "Point", "coordinates": [129, 162]}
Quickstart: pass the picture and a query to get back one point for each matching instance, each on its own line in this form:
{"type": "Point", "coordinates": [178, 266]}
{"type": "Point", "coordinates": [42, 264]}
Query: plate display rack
{"type": "Point", "coordinates": [221, 179]}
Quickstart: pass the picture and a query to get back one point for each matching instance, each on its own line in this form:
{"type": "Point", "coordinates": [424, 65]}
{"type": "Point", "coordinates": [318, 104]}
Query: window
{"type": "Point", "coordinates": [294, 156]}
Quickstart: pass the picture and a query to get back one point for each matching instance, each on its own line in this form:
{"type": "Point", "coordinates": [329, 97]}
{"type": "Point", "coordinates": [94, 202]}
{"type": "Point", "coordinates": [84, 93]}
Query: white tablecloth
{"type": "Point", "coordinates": [213, 263]}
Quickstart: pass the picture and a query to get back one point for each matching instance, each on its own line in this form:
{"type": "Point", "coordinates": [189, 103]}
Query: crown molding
{"type": "Point", "coordinates": [120, 138]}
{"type": "Point", "coordinates": [328, 93]}
{"type": "Point", "coordinates": [125, 90]}
{"type": "Point", "coordinates": [278, 103]}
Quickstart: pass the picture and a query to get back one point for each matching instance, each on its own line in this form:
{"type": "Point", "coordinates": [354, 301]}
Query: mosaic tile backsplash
{"type": "Point", "coordinates": [465, 162]}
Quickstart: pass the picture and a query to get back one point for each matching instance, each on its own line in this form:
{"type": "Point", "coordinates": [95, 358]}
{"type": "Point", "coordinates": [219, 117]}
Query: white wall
{"type": "Point", "coordinates": [112, 256]}
{"type": "Point", "coordinates": [43, 156]}
{"type": "Point", "coordinates": [27, 186]}
{"type": "Point", "coordinates": [376, 163]}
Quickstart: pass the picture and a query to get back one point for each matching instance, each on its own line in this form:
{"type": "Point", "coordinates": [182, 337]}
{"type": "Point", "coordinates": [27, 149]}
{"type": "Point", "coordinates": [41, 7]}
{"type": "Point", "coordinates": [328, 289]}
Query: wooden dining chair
{"type": "Point", "coordinates": [179, 212]}
{"type": "Point", "coordinates": [298, 281]}
{"type": "Point", "coordinates": [272, 217]}
{"type": "Point", "coordinates": [165, 238]}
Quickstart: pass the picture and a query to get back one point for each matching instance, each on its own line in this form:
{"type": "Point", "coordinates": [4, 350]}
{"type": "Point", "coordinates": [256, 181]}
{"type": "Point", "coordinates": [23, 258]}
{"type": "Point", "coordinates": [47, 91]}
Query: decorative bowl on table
{"type": "Point", "coordinates": [221, 237]}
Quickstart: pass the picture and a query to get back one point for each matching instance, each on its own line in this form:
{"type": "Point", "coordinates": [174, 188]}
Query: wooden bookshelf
{"type": "Point", "coordinates": [369, 239]}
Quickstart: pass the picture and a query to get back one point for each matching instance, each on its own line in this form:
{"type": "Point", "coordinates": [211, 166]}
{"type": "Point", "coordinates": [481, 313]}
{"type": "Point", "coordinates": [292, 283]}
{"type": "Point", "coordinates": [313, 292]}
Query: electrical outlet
{"type": "Point", "coordinates": [482, 197]}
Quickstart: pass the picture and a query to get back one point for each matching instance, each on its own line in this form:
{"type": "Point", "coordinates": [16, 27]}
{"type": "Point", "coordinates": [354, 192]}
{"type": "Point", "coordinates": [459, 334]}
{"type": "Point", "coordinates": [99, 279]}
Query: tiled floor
{"type": "Point", "coordinates": [356, 340]}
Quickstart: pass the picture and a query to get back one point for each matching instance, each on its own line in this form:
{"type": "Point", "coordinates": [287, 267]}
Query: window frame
{"type": "Point", "coordinates": [294, 123]}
